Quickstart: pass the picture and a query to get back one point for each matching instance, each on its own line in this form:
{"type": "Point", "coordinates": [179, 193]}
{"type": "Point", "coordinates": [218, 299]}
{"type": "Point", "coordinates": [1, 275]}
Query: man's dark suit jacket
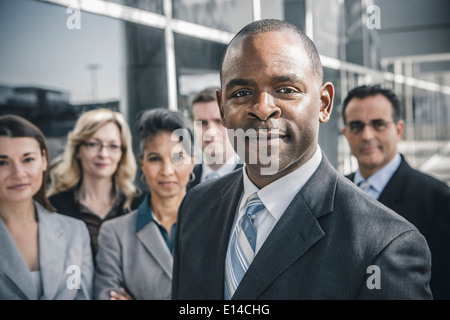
{"type": "Point", "coordinates": [198, 170]}
{"type": "Point", "coordinates": [425, 202]}
{"type": "Point", "coordinates": [321, 248]}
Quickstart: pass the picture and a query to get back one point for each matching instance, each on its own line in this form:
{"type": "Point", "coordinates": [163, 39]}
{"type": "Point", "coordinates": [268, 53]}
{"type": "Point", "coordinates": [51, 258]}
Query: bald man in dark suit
{"type": "Point", "coordinates": [291, 227]}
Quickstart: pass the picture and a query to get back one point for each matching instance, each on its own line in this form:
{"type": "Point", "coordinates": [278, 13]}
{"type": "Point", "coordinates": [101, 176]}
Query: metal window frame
{"type": "Point", "coordinates": [170, 25]}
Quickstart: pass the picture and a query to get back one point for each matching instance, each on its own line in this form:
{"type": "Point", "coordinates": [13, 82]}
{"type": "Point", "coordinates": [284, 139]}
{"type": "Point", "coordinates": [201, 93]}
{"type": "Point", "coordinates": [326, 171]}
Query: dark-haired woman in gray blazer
{"type": "Point", "coordinates": [134, 260]}
{"type": "Point", "coordinates": [44, 255]}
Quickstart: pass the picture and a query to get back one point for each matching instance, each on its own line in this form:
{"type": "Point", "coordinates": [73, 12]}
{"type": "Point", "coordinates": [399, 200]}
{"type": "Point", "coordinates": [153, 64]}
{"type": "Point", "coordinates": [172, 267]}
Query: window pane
{"type": "Point", "coordinates": [198, 64]}
{"type": "Point", "coordinates": [55, 63]}
{"type": "Point", "coordinates": [146, 77]}
{"type": "Point", "coordinates": [226, 15]}
{"type": "Point", "coordinates": [327, 36]}
{"type": "Point", "coordinates": [50, 73]}
{"type": "Point", "coordinates": [292, 11]}
{"type": "Point", "coordinates": [155, 6]}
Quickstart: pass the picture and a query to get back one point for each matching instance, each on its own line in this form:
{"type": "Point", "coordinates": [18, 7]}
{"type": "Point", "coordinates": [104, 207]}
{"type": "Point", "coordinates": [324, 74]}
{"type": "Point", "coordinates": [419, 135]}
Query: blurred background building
{"type": "Point", "coordinates": [61, 57]}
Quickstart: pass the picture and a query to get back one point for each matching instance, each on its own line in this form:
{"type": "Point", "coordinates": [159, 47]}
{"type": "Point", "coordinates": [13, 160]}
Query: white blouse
{"type": "Point", "coordinates": [36, 275]}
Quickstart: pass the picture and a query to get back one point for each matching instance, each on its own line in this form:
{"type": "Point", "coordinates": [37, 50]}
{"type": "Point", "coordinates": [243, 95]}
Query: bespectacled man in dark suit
{"type": "Point", "coordinates": [291, 227]}
{"type": "Point", "coordinates": [373, 127]}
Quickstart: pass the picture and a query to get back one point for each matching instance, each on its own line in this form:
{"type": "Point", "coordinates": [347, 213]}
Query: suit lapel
{"type": "Point", "coordinates": [13, 265]}
{"type": "Point", "coordinates": [393, 192]}
{"type": "Point", "coordinates": [296, 231]}
{"type": "Point", "coordinates": [51, 252]}
{"type": "Point", "coordinates": [150, 236]}
{"type": "Point", "coordinates": [198, 169]}
{"type": "Point", "coordinates": [151, 239]}
{"type": "Point", "coordinates": [351, 176]}
{"type": "Point", "coordinates": [219, 223]}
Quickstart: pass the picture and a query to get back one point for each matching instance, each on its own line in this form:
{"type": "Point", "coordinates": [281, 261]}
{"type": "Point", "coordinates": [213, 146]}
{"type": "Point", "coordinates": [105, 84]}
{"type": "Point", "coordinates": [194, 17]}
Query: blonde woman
{"type": "Point", "coordinates": [94, 178]}
{"type": "Point", "coordinates": [43, 255]}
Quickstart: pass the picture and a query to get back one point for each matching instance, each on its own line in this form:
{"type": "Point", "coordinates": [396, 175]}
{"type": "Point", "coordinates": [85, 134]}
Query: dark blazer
{"type": "Point", "coordinates": [425, 202]}
{"type": "Point", "coordinates": [321, 248]}
{"type": "Point", "coordinates": [198, 170]}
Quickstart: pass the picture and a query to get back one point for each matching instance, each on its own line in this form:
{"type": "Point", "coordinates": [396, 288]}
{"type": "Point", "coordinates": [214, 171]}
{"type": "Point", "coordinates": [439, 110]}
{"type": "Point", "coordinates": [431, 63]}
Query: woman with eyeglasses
{"type": "Point", "coordinates": [134, 260]}
{"type": "Point", "coordinates": [93, 180]}
{"type": "Point", "coordinates": [43, 255]}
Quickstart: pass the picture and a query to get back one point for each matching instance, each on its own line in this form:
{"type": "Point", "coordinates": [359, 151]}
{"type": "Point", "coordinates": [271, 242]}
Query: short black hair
{"type": "Point", "coordinates": [365, 91]}
{"type": "Point", "coordinates": [158, 120]}
{"type": "Point", "coordinates": [266, 25]}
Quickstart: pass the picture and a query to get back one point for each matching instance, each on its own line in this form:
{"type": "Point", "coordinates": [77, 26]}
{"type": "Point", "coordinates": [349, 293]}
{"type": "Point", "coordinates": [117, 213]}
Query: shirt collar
{"type": "Point", "coordinates": [277, 196]}
{"type": "Point", "coordinates": [144, 214]}
{"type": "Point", "coordinates": [227, 167]}
{"type": "Point", "coordinates": [380, 178]}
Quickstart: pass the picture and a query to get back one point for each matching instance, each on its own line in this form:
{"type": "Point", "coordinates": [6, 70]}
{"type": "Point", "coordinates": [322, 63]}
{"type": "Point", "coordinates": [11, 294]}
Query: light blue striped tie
{"type": "Point", "coordinates": [241, 250]}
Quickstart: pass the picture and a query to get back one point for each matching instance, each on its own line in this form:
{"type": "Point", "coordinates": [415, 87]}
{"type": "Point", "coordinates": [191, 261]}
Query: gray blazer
{"type": "Point", "coordinates": [63, 242]}
{"type": "Point", "coordinates": [322, 247]}
{"type": "Point", "coordinates": [133, 254]}
{"type": "Point", "coordinates": [425, 202]}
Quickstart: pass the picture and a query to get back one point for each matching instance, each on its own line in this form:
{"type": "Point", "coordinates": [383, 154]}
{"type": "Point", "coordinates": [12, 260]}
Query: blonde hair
{"type": "Point", "coordinates": [66, 171]}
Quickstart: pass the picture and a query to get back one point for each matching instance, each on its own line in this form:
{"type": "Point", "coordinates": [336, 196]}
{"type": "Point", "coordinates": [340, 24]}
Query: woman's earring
{"type": "Point", "coordinates": [192, 177]}
{"type": "Point", "coordinates": [143, 180]}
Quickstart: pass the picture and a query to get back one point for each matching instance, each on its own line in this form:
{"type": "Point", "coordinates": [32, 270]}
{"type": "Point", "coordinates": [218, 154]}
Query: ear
{"type": "Point", "coordinates": [44, 161]}
{"type": "Point", "coordinates": [326, 100]}
{"type": "Point", "coordinates": [141, 161]}
{"type": "Point", "coordinates": [400, 127]}
{"type": "Point", "coordinates": [192, 164]}
{"type": "Point", "coordinates": [345, 132]}
{"type": "Point", "coordinates": [219, 102]}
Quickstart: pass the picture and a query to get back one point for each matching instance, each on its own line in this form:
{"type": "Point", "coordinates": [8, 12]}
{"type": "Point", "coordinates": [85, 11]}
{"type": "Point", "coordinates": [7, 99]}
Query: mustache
{"type": "Point", "coordinates": [264, 129]}
{"type": "Point", "coordinates": [369, 144]}
{"type": "Point", "coordinates": [265, 134]}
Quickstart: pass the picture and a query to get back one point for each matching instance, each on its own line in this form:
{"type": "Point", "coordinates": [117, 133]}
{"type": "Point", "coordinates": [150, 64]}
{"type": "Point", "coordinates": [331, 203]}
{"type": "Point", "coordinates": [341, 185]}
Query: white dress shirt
{"type": "Point", "coordinates": [380, 178]}
{"type": "Point", "coordinates": [276, 197]}
{"type": "Point", "coordinates": [227, 167]}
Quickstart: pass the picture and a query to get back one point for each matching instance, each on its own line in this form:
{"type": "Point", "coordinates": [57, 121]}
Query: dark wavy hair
{"type": "Point", "coordinates": [13, 126]}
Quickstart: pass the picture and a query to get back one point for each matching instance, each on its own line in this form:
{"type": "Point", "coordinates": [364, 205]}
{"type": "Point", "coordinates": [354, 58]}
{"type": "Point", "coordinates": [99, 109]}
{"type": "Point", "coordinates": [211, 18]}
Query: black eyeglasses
{"type": "Point", "coordinates": [378, 125]}
{"type": "Point", "coordinates": [98, 146]}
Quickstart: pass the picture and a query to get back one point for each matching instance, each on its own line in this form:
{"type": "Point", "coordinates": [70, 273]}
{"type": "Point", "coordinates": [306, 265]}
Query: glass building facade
{"type": "Point", "coordinates": [59, 58]}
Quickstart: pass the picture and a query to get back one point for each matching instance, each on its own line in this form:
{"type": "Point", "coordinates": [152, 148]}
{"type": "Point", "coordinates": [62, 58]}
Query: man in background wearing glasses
{"type": "Point", "coordinates": [373, 127]}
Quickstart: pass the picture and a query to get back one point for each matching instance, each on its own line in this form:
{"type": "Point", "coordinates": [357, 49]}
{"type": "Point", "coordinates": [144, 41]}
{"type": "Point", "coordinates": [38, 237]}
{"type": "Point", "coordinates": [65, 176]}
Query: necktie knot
{"type": "Point", "coordinates": [211, 175]}
{"type": "Point", "coordinates": [254, 205]}
{"type": "Point", "coordinates": [364, 185]}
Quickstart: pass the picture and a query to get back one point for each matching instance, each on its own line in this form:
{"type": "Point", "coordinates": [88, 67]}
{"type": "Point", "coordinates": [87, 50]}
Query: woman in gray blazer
{"type": "Point", "coordinates": [134, 260]}
{"type": "Point", "coordinates": [44, 255]}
